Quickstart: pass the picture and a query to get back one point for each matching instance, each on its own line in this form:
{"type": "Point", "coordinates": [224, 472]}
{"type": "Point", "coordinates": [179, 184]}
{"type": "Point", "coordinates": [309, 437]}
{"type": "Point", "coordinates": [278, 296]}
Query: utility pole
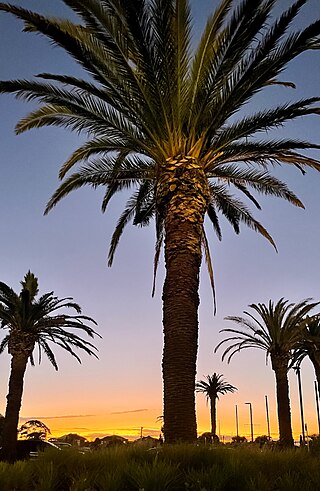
{"type": "Point", "coordinates": [317, 404]}
{"type": "Point", "coordinates": [251, 420]}
{"type": "Point", "coordinates": [297, 370]}
{"type": "Point", "coordinates": [267, 414]}
{"type": "Point", "coordinates": [237, 421]}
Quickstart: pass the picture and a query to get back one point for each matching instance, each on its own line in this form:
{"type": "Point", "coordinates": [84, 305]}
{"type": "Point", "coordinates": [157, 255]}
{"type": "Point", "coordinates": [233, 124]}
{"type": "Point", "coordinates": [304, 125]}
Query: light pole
{"type": "Point", "coordinates": [237, 421]}
{"type": "Point", "coordinates": [297, 370]}
{"type": "Point", "coordinates": [267, 413]}
{"type": "Point", "coordinates": [251, 421]}
{"type": "Point", "coordinates": [317, 403]}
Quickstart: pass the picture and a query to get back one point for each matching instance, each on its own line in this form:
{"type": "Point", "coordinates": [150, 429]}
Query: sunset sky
{"type": "Point", "coordinates": [67, 250]}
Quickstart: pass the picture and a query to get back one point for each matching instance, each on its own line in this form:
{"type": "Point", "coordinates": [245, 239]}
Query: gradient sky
{"type": "Point", "coordinates": [122, 391]}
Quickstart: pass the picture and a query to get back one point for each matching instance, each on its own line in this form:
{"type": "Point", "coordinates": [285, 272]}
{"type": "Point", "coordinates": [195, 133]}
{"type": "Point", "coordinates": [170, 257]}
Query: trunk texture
{"type": "Point", "coordinates": [182, 196]}
{"type": "Point", "coordinates": [280, 368]}
{"type": "Point", "coordinates": [14, 398]}
{"type": "Point", "coordinates": [213, 411]}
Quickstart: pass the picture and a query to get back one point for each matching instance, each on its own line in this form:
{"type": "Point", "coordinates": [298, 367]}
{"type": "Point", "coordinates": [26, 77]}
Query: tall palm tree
{"type": "Point", "coordinates": [35, 322]}
{"type": "Point", "coordinates": [212, 387]}
{"type": "Point", "coordinates": [310, 345]}
{"type": "Point", "coordinates": [278, 330]}
{"type": "Point", "coordinates": [163, 120]}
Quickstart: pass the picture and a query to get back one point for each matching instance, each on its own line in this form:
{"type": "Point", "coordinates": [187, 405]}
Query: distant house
{"type": "Point", "coordinates": [73, 439]}
{"type": "Point", "coordinates": [112, 440]}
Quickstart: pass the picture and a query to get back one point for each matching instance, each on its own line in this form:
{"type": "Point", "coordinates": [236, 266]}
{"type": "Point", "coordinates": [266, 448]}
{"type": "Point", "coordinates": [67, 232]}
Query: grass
{"type": "Point", "coordinates": [172, 468]}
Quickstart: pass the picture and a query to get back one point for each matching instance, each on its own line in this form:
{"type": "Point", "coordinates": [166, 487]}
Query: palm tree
{"type": "Point", "coordinates": [212, 387]}
{"type": "Point", "coordinates": [310, 345]}
{"type": "Point", "coordinates": [34, 322]}
{"type": "Point", "coordinates": [163, 120]}
{"type": "Point", "coordinates": [278, 332]}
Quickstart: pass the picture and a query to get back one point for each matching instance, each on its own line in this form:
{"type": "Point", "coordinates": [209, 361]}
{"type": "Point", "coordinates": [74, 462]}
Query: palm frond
{"type": "Point", "coordinates": [126, 216]}
{"type": "Point", "coordinates": [214, 220]}
{"type": "Point", "coordinates": [4, 343]}
{"type": "Point", "coordinates": [206, 52]}
{"type": "Point", "coordinates": [262, 182]}
{"type": "Point", "coordinates": [235, 211]}
{"type": "Point", "coordinates": [159, 242]}
{"type": "Point", "coordinates": [279, 329]}
{"type": "Point", "coordinates": [263, 121]}
{"type": "Point", "coordinates": [210, 268]}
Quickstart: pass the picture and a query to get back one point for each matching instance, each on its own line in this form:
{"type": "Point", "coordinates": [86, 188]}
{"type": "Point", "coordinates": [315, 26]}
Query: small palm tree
{"type": "Point", "coordinates": [278, 332]}
{"type": "Point", "coordinates": [212, 387]}
{"type": "Point", "coordinates": [31, 322]}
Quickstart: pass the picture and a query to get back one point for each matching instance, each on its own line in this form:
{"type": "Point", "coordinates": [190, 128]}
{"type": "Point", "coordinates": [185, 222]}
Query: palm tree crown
{"type": "Point", "coordinates": [163, 120]}
{"type": "Point", "coordinates": [310, 345]}
{"type": "Point", "coordinates": [32, 322]}
{"type": "Point", "coordinates": [278, 330]}
{"type": "Point", "coordinates": [155, 103]}
{"type": "Point", "coordinates": [213, 386]}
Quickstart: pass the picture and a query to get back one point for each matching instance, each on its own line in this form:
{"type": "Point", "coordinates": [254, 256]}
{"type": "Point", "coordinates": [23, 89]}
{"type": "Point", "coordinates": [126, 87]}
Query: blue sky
{"type": "Point", "coordinates": [67, 250]}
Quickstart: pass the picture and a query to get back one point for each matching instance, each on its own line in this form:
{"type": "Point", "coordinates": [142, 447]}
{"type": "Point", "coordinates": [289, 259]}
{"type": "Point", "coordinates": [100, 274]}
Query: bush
{"type": "Point", "coordinates": [262, 440]}
{"type": "Point", "coordinates": [239, 439]}
{"type": "Point", "coordinates": [168, 468]}
{"type": "Point", "coordinates": [314, 444]}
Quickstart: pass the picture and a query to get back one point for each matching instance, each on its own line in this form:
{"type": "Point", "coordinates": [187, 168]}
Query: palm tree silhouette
{"type": "Point", "coordinates": [212, 387]}
{"type": "Point", "coordinates": [163, 119]}
{"type": "Point", "coordinates": [310, 345]}
{"type": "Point", "coordinates": [34, 322]}
{"type": "Point", "coordinates": [278, 330]}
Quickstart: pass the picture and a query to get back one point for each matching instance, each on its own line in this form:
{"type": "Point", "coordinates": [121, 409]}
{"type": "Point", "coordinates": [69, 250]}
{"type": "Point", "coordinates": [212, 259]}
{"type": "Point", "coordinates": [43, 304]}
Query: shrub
{"type": "Point", "coordinates": [168, 468]}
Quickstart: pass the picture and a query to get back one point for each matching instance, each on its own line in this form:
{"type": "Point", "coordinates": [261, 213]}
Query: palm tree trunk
{"type": "Point", "coordinates": [14, 398]}
{"type": "Point", "coordinates": [213, 410]}
{"type": "Point", "coordinates": [182, 201]}
{"type": "Point", "coordinates": [283, 401]}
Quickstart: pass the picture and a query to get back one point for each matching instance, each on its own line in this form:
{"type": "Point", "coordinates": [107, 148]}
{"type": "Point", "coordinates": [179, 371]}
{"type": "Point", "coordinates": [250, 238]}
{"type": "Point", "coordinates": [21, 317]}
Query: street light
{"type": "Point", "coordinates": [251, 421]}
{"type": "Point", "coordinates": [237, 421]}
{"type": "Point", "coordinates": [267, 414]}
{"type": "Point", "coordinates": [317, 403]}
{"type": "Point", "coordinates": [297, 370]}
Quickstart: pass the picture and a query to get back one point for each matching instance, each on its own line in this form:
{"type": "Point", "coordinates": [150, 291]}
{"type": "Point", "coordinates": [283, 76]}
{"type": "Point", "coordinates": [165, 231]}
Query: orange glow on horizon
{"type": "Point", "coordinates": [78, 406]}
{"type": "Point", "coordinates": [132, 423]}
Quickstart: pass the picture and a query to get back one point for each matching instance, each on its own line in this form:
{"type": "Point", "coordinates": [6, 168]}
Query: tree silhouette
{"type": "Point", "coordinates": [34, 429]}
{"type": "Point", "coordinates": [278, 330]}
{"type": "Point", "coordinates": [212, 387]}
{"type": "Point", "coordinates": [34, 322]}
